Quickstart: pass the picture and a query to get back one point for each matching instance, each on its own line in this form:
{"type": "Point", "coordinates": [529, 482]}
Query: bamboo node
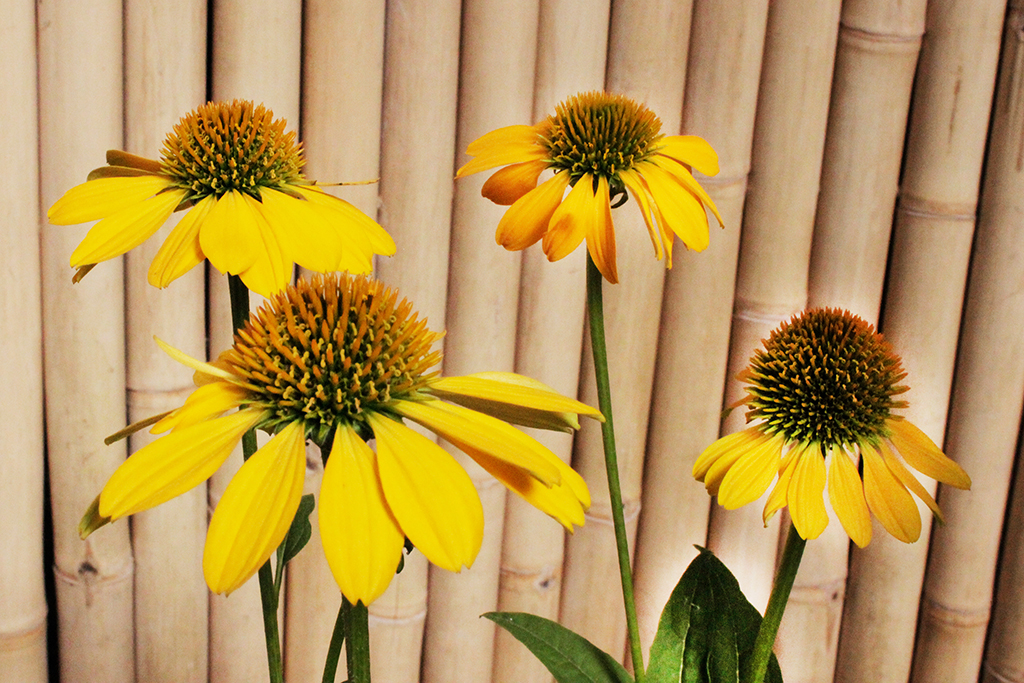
{"type": "Point", "coordinates": [955, 618]}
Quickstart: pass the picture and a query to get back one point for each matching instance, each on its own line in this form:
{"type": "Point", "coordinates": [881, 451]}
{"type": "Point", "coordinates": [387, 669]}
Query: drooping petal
{"type": "Point", "coordinates": [682, 175]}
{"type": "Point", "coordinates": [637, 188]}
{"type": "Point", "coordinates": [514, 398]}
{"type": "Point", "coordinates": [104, 197]}
{"type": "Point", "coordinates": [230, 236]}
{"type": "Point", "coordinates": [889, 499]}
{"type": "Point", "coordinates": [690, 150]}
{"type": "Point", "coordinates": [273, 267]}
{"type": "Point", "coordinates": [256, 510]}
{"type": "Point", "coordinates": [206, 402]}
{"type": "Point", "coordinates": [906, 477]}
{"type": "Point", "coordinates": [601, 234]}
{"type": "Point", "coordinates": [806, 494]}
{"type": "Point", "coordinates": [846, 493]}
{"type": "Point", "coordinates": [779, 497]}
{"type": "Point", "coordinates": [173, 464]}
{"type": "Point", "coordinates": [678, 207]}
{"type": "Point", "coordinates": [351, 220]}
{"type": "Point", "coordinates": [126, 229]}
{"type": "Point", "coordinates": [180, 252]}
{"type": "Point", "coordinates": [361, 538]}
{"type": "Point", "coordinates": [737, 442]}
{"type": "Point", "coordinates": [507, 185]}
{"type": "Point", "coordinates": [429, 494]}
{"type": "Point", "coordinates": [923, 455]}
{"type": "Point", "coordinates": [484, 433]}
{"type": "Point", "coordinates": [528, 218]}
{"type": "Point", "coordinates": [304, 232]}
{"type": "Point", "coordinates": [508, 145]}
{"type": "Point", "coordinates": [749, 477]}
{"type": "Point", "coordinates": [572, 220]}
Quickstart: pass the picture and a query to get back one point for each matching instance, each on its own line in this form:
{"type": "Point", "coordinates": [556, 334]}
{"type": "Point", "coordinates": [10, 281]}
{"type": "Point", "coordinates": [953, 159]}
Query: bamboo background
{"type": "Point", "coordinates": [871, 159]}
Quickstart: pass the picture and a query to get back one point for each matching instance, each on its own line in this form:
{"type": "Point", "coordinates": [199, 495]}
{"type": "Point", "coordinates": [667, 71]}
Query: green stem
{"type": "Point", "coordinates": [595, 315]}
{"type": "Point", "coordinates": [358, 635]}
{"type": "Point", "coordinates": [334, 649]}
{"type": "Point", "coordinates": [268, 595]}
{"type": "Point", "coordinates": [776, 605]}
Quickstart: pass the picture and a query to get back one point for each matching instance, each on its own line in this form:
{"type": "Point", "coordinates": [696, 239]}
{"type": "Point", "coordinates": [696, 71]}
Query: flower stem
{"type": "Point", "coordinates": [334, 649]}
{"type": "Point", "coordinates": [358, 635]}
{"type": "Point", "coordinates": [595, 315]}
{"type": "Point", "coordinates": [776, 605]}
{"type": "Point", "coordinates": [268, 595]}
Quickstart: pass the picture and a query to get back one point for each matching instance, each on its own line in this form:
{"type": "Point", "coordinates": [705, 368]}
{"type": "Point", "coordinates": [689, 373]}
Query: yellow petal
{"type": "Point", "coordinates": [180, 252]}
{"type": "Point", "coordinates": [892, 461]}
{"type": "Point", "coordinates": [104, 197]}
{"type": "Point", "coordinates": [846, 493]}
{"type": "Point", "coordinates": [690, 150]}
{"type": "Point", "coordinates": [571, 221]}
{"type": "Point", "coordinates": [508, 145]}
{"type": "Point", "coordinates": [429, 494]}
{"type": "Point", "coordinates": [126, 229]}
{"type": "Point", "coordinates": [350, 220]}
{"type": "Point", "coordinates": [303, 231]}
{"type": "Point", "coordinates": [923, 455]}
{"type": "Point", "coordinates": [889, 499]}
{"type": "Point", "coordinates": [749, 477]}
{"type": "Point", "coordinates": [207, 370]}
{"type": "Point", "coordinates": [681, 211]}
{"type": "Point", "coordinates": [637, 188]}
{"type": "Point", "coordinates": [256, 510]}
{"type": "Point", "coordinates": [230, 235]}
{"type": "Point", "coordinates": [779, 497]}
{"type": "Point", "coordinates": [273, 267]}
{"type": "Point", "coordinates": [173, 464]}
{"type": "Point", "coordinates": [682, 175]}
{"type": "Point", "coordinates": [528, 218]}
{"type": "Point", "coordinates": [601, 234]}
{"type": "Point", "coordinates": [484, 433]}
{"type": "Point", "coordinates": [507, 185]}
{"type": "Point", "coordinates": [732, 446]}
{"type": "Point", "coordinates": [807, 493]}
{"type": "Point", "coordinates": [361, 538]}
{"type": "Point", "coordinates": [206, 402]}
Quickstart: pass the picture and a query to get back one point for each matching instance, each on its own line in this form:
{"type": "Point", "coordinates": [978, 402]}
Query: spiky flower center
{"type": "Point", "coordinates": [330, 350]}
{"type": "Point", "coordinates": [826, 376]}
{"type": "Point", "coordinates": [224, 146]}
{"type": "Point", "coordinates": [601, 134]}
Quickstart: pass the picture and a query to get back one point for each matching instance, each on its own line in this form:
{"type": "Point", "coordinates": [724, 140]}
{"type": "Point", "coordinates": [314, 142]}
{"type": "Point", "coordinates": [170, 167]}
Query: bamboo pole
{"type": "Point", "coordinates": [165, 75]}
{"type": "Point", "coordinates": [982, 434]}
{"type": "Point", "coordinates": [256, 55]}
{"type": "Point", "coordinates": [499, 40]}
{"type": "Point", "coordinates": [571, 50]}
{"type": "Point", "coordinates": [640, 36]}
{"type": "Point", "coordinates": [343, 76]}
{"type": "Point", "coordinates": [771, 282]}
{"type": "Point", "coordinates": [22, 595]}
{"type": "Point", "coordinates": [726, 45]}
{"type": "Point", "coordinates": [417, 167]}
{"type": "Point", "coordinates": [83, 341]}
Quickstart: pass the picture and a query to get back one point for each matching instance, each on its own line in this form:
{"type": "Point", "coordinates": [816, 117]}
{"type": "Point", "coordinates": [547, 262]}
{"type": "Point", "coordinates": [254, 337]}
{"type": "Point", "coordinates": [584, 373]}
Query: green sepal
{"type": "Point", "coordinates": [707, 630]}
{"type": "Point", "coordinates": [92, 520]}
{"type": "Point", "coordinates": [300, 531]}
{"type": "Point", "coordinates": [569, 657]}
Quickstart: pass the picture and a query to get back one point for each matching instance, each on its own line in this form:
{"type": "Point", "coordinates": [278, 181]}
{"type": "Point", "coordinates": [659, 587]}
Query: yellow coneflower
{"type": "Point", "coordinates": [339, 360]}
{"type": "Point", "coordinates": [822, 391]}
{"type": "Point", "coordinates": [251, 211]}
{"type": "Point", "coordinates": [600, 145]}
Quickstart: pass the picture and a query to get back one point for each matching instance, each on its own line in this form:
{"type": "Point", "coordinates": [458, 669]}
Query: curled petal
{"type": "Point", "coordinates": [528, 218]}
{"type": "Point", "coordinates": [892, 461]}
{"type": "Point", "coordinates": [572, 220]}
{"type": "Point", "coordinates": [681, 212]}
{"type": "Point", "coordinates": [637, 188]}
{"type": "Point", "coordinates": [691, 150]}
{"type": "Point", "coordinates": [731, 446]}
{"type": "Point", "coordinates": [507, 185]}
{"type": "Point", "coordinates": [889, 499]}
{"type": "Point", "coordinates": [749, 477]}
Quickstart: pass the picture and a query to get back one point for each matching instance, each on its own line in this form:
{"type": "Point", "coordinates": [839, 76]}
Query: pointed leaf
{"type": "Point", "coordinates": [300, 531]}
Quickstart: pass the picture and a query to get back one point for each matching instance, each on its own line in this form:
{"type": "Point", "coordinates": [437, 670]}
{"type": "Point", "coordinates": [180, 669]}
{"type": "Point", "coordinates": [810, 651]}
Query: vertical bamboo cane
{"type": "Point", "coordinates": [640, 36]}
{"type": "Point", "coordinates": [499, 43]}
{"type": "Point", "coordinates": [417, 165]}
{"type": "Point", "coordinates": [22, 596]}
{"type": "Point", "coordinates": [571, 50]}
{"type": "Point", "coordinates": [982, 434]}
{"type": "Point", "coordinates": [771, 283]}
{"type": "Point", "coordinates": [165, 75]}
{"type": "Point", "coordinates": [256, 54]}
{"type": "Point", "coordinates": [83, 341]}
{"type": "Point", "coordinates": [727, 39]}
{"type": "Point", "coordinates": [343, 76]}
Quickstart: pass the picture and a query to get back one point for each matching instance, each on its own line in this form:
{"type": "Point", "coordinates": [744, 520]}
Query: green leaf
{"type": "Point", "coordinates": [707, 630]}
{"type": "Point", "coordinates": [300, 531]}
{"type": "Point", "coordinates": [569, 657]}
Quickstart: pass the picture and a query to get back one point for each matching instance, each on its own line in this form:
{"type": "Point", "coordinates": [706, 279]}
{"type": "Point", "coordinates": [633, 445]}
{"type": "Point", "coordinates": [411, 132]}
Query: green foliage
{"type": "Point", "coordinates": [300, 531]}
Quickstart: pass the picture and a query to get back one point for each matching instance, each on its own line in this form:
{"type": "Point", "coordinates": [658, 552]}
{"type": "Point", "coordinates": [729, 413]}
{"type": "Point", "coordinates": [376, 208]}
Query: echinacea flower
{"type": "Point", "coordinates": [251, 211]}
{"type": "Point", "coordinates": [821, 393]}
{"type": "Point", "coordinates": [600, 145]}
{"type": "Point", "coordinates": [339, 361]}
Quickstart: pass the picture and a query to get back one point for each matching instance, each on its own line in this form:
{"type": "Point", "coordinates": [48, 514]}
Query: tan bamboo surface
{"type": "Point", "coordinates": [343, 77]}
{"type": "Point", "coordinates": [571, 50]}
{"type": "Point", "coordinates": [165, 75]}
{"type": "Point", "coordinates": [495, 89]}
{"type": "Point", "coordinates": [726, 44]}
{"type": "Point", "coordinates": [1004, 649]}
{"type": "Point", "coordinates": [421, 72]}
{"type": "Point", "coordinates": [256, 55]}
{"type": "Point", "coordinates": [23, 609]}
{"type": "Point", "coordinates": [982, 434]}
{"type": "Point", "coordinates": [80, 100]}
{"type": "Point", "coordinates": [771, 281]}
{"type": "Point", "coordinates": [640, 37]}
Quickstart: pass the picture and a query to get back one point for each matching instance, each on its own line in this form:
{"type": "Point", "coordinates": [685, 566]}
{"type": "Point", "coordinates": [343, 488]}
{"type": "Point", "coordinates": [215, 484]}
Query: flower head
{"type": "Point", "coordinates": [251, 211]}
{"type": "Point", "coordinates": [822, 390]}
{"type": "Point", "coordinates": [339, 360]}
{"type": "Point", "coordinates": [601, 146]}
